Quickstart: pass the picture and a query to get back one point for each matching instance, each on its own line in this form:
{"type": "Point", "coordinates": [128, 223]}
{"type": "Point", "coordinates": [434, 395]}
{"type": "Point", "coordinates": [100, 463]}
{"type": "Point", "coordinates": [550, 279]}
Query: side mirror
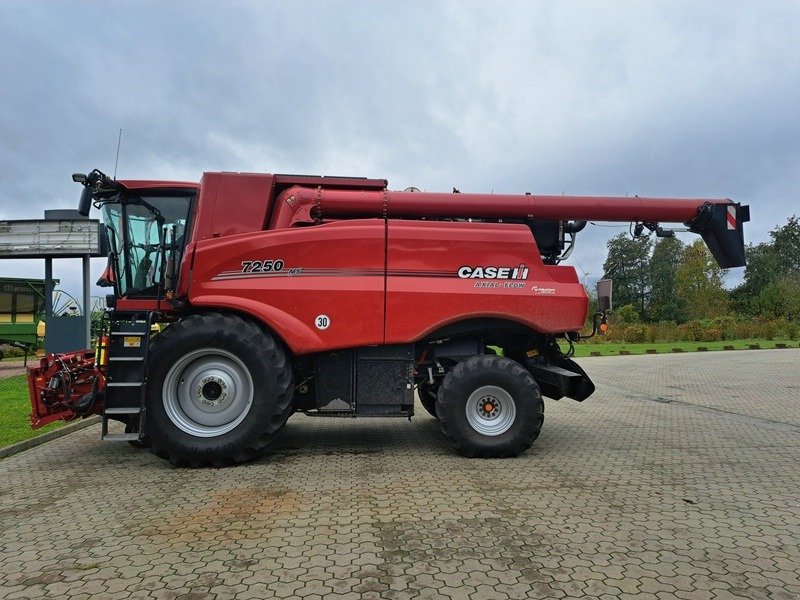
{"type": "Point", "coordinates": [599, 323]}
{"type": "Point", "coordinates": [604, 295]}
{"type": "Point", "coordinates": [85, 204]}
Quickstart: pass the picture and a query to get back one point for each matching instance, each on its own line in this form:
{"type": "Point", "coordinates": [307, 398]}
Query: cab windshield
{"type": "Point", "coordinates": [139, 227]}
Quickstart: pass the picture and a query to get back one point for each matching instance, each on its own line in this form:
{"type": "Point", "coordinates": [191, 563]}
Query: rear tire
{"type": "Point", "coordinates": [489, 406]}
{"type": "Point", "coordinates": [219, 391]}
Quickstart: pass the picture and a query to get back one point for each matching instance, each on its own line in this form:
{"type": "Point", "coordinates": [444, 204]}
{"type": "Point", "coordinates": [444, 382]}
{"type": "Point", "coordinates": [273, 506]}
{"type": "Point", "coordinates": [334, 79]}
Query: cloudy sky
{"type": "Point", "coordinates": [649, 98]}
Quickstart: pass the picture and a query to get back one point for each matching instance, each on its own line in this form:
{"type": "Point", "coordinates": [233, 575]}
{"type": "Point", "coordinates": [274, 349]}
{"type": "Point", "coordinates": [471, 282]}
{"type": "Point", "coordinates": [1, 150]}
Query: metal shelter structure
{"type": "Point", "coordinates": [61, 234]}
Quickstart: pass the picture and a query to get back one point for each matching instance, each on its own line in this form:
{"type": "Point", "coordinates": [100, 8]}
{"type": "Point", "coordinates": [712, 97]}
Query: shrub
{"type": "Point", "coordinates": [702, 330]}
{"type": "Point", "coordinates": [726, 325]}
{"type": "Point", "coordinates": [667, 331]}
{"type": "Point", "coordinates": [768, 329]}
{"type": "Point", "coordinates": [691, 331]}
{"type": "Point", "coordinates": [635, 334]}
{"type": "Point", "coordinates": [615, 333]}
{"type": "Point", "coordinates": [710, 334]}
{"type": "Point", "coordinates": [745, 329]}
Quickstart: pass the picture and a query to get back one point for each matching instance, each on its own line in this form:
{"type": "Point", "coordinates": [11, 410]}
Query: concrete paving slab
{"type": "Point", "coordinates": [678, 479]}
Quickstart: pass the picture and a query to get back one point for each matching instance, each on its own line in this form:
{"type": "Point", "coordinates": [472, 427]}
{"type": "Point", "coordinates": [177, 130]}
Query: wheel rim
{"type": "Point", "coordinates": [207, 392]}
{"type": "Point", "coordinates": [491, 410]}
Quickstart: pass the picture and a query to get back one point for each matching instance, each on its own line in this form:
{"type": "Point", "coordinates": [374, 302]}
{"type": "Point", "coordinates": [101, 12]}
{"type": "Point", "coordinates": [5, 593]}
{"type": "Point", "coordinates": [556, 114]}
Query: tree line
{"type": "Point", "coordinates": [667, 280]}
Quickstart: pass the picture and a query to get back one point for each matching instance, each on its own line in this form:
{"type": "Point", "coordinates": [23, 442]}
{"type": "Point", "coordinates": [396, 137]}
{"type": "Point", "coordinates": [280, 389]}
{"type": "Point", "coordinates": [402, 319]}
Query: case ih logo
{"type": "Point", "coordinates": [467, 272]}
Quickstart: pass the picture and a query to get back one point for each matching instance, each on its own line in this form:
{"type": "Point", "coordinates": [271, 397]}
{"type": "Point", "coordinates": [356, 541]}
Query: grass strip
{"type": "Point", "coordinates": [15, 410]}
{"type": "Point", "coordinates": [626, 348]}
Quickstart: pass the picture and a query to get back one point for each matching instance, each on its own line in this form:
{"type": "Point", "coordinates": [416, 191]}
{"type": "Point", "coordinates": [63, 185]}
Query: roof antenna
{"type": "Point", "coordinates": [116, 162]}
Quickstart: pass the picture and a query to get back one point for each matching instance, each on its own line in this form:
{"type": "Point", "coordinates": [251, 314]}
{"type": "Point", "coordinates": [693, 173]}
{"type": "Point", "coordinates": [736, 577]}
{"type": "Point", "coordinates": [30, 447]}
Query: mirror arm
{"type": "Point", "coordinates": [599, 325]}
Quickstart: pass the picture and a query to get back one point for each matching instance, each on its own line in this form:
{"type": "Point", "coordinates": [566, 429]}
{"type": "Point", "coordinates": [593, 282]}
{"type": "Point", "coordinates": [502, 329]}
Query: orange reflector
{"type": "Point", "coordinates": [603, 327]}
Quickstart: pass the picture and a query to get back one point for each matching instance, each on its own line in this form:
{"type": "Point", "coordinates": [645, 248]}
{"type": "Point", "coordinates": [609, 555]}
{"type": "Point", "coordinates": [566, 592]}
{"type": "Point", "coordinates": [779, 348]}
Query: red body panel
{"type": "Point", "coordinates": [335, 269]}
{"type": "Point", "coordinates": [424, 291]}
{"type": "Point", "coordinates": [232, 203]}
{"type": "Point", "coordinates": [339, 270]}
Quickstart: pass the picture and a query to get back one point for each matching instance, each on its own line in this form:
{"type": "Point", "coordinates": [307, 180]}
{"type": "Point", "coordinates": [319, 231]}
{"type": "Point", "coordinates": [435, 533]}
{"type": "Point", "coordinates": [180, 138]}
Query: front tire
{"type": "Point", "coordinates": [489, 406]}
{"type": "Point", "coordinates": [219, 391]}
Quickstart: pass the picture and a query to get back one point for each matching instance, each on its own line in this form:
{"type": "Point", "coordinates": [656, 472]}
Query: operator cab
{"type": "Point", "coordinates": [147, 226]}
{"type": "Point", "coordinates": [147, 236]}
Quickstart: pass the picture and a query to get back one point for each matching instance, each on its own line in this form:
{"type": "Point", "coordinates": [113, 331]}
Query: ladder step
{"type": "Point", "coordinates": [120, 437]}
{"type": "Point", "coordinates": [122, 410]}
{"type": "Point", "coordinates": [128, 349]}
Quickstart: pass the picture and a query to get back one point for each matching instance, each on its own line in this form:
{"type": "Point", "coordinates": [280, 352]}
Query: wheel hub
{"type": "Point", "coordinates": [212, 391]}
{"type": "Point", "coordinates": [491, 410]}
{"type": "Point", "coordinates": [208, 392]}
{"type": "Point", "coordinates": [489, 407]}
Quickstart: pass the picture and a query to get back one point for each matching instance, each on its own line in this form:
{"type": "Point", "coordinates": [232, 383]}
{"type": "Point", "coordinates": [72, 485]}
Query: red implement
{"type": "Point", "coordinates": [58, 384]}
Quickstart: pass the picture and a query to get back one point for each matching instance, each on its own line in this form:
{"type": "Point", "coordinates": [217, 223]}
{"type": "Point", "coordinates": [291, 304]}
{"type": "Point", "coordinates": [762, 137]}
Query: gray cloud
{"type": "Point", "coordinates": [586, 98]}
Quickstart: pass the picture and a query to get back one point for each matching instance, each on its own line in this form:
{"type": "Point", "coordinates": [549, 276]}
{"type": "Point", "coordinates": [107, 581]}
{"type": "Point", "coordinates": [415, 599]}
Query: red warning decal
{"type": "Point", "coordinates": [731, 217]}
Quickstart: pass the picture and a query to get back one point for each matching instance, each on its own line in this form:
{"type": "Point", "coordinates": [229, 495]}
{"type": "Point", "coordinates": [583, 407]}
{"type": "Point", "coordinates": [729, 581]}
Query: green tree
{"type": "Point", "coordinates": [772, 274]}
{"type": "Point", "coordinates": [779, 298]}
{"type": "Point", "coordinates": [786, 241]}
{"type": "Point", "coordinates": [759, 274]}
{"type": "Point", "coordinates": [698, 281]}
{"type": "Point", "coordinates": [627, 264]}
{"type": "Point", "coordinates": [762, 266]}
{"type": "Point", "coordinates": [626, 313]}
{"type": "Point", "coordinates": [790, 296]}
{"type": "Point", "coordinates": [664, 302]}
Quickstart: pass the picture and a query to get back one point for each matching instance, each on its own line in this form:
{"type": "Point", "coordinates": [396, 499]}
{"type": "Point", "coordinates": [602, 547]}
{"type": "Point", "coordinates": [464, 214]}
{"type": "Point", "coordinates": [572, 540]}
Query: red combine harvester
{"type": "Point", "coordinates": [335, 296]}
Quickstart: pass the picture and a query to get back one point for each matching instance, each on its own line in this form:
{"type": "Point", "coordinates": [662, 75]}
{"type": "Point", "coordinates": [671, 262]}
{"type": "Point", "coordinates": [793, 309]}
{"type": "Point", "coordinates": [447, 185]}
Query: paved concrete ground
{"type": "Point", "coordinates": [679, 478]}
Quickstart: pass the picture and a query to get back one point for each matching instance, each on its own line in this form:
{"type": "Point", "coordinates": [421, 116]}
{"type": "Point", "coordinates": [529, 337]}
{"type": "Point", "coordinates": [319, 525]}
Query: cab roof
{"type": "Point", "coordinates": [145, 184]}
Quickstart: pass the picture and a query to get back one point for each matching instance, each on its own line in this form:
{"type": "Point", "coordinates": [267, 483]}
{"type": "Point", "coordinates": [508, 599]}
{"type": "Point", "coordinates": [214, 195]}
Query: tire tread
{"type": "Point", "coordinates": [217, 329]}
{"type": "Point", "coordinates": [457, 386]}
